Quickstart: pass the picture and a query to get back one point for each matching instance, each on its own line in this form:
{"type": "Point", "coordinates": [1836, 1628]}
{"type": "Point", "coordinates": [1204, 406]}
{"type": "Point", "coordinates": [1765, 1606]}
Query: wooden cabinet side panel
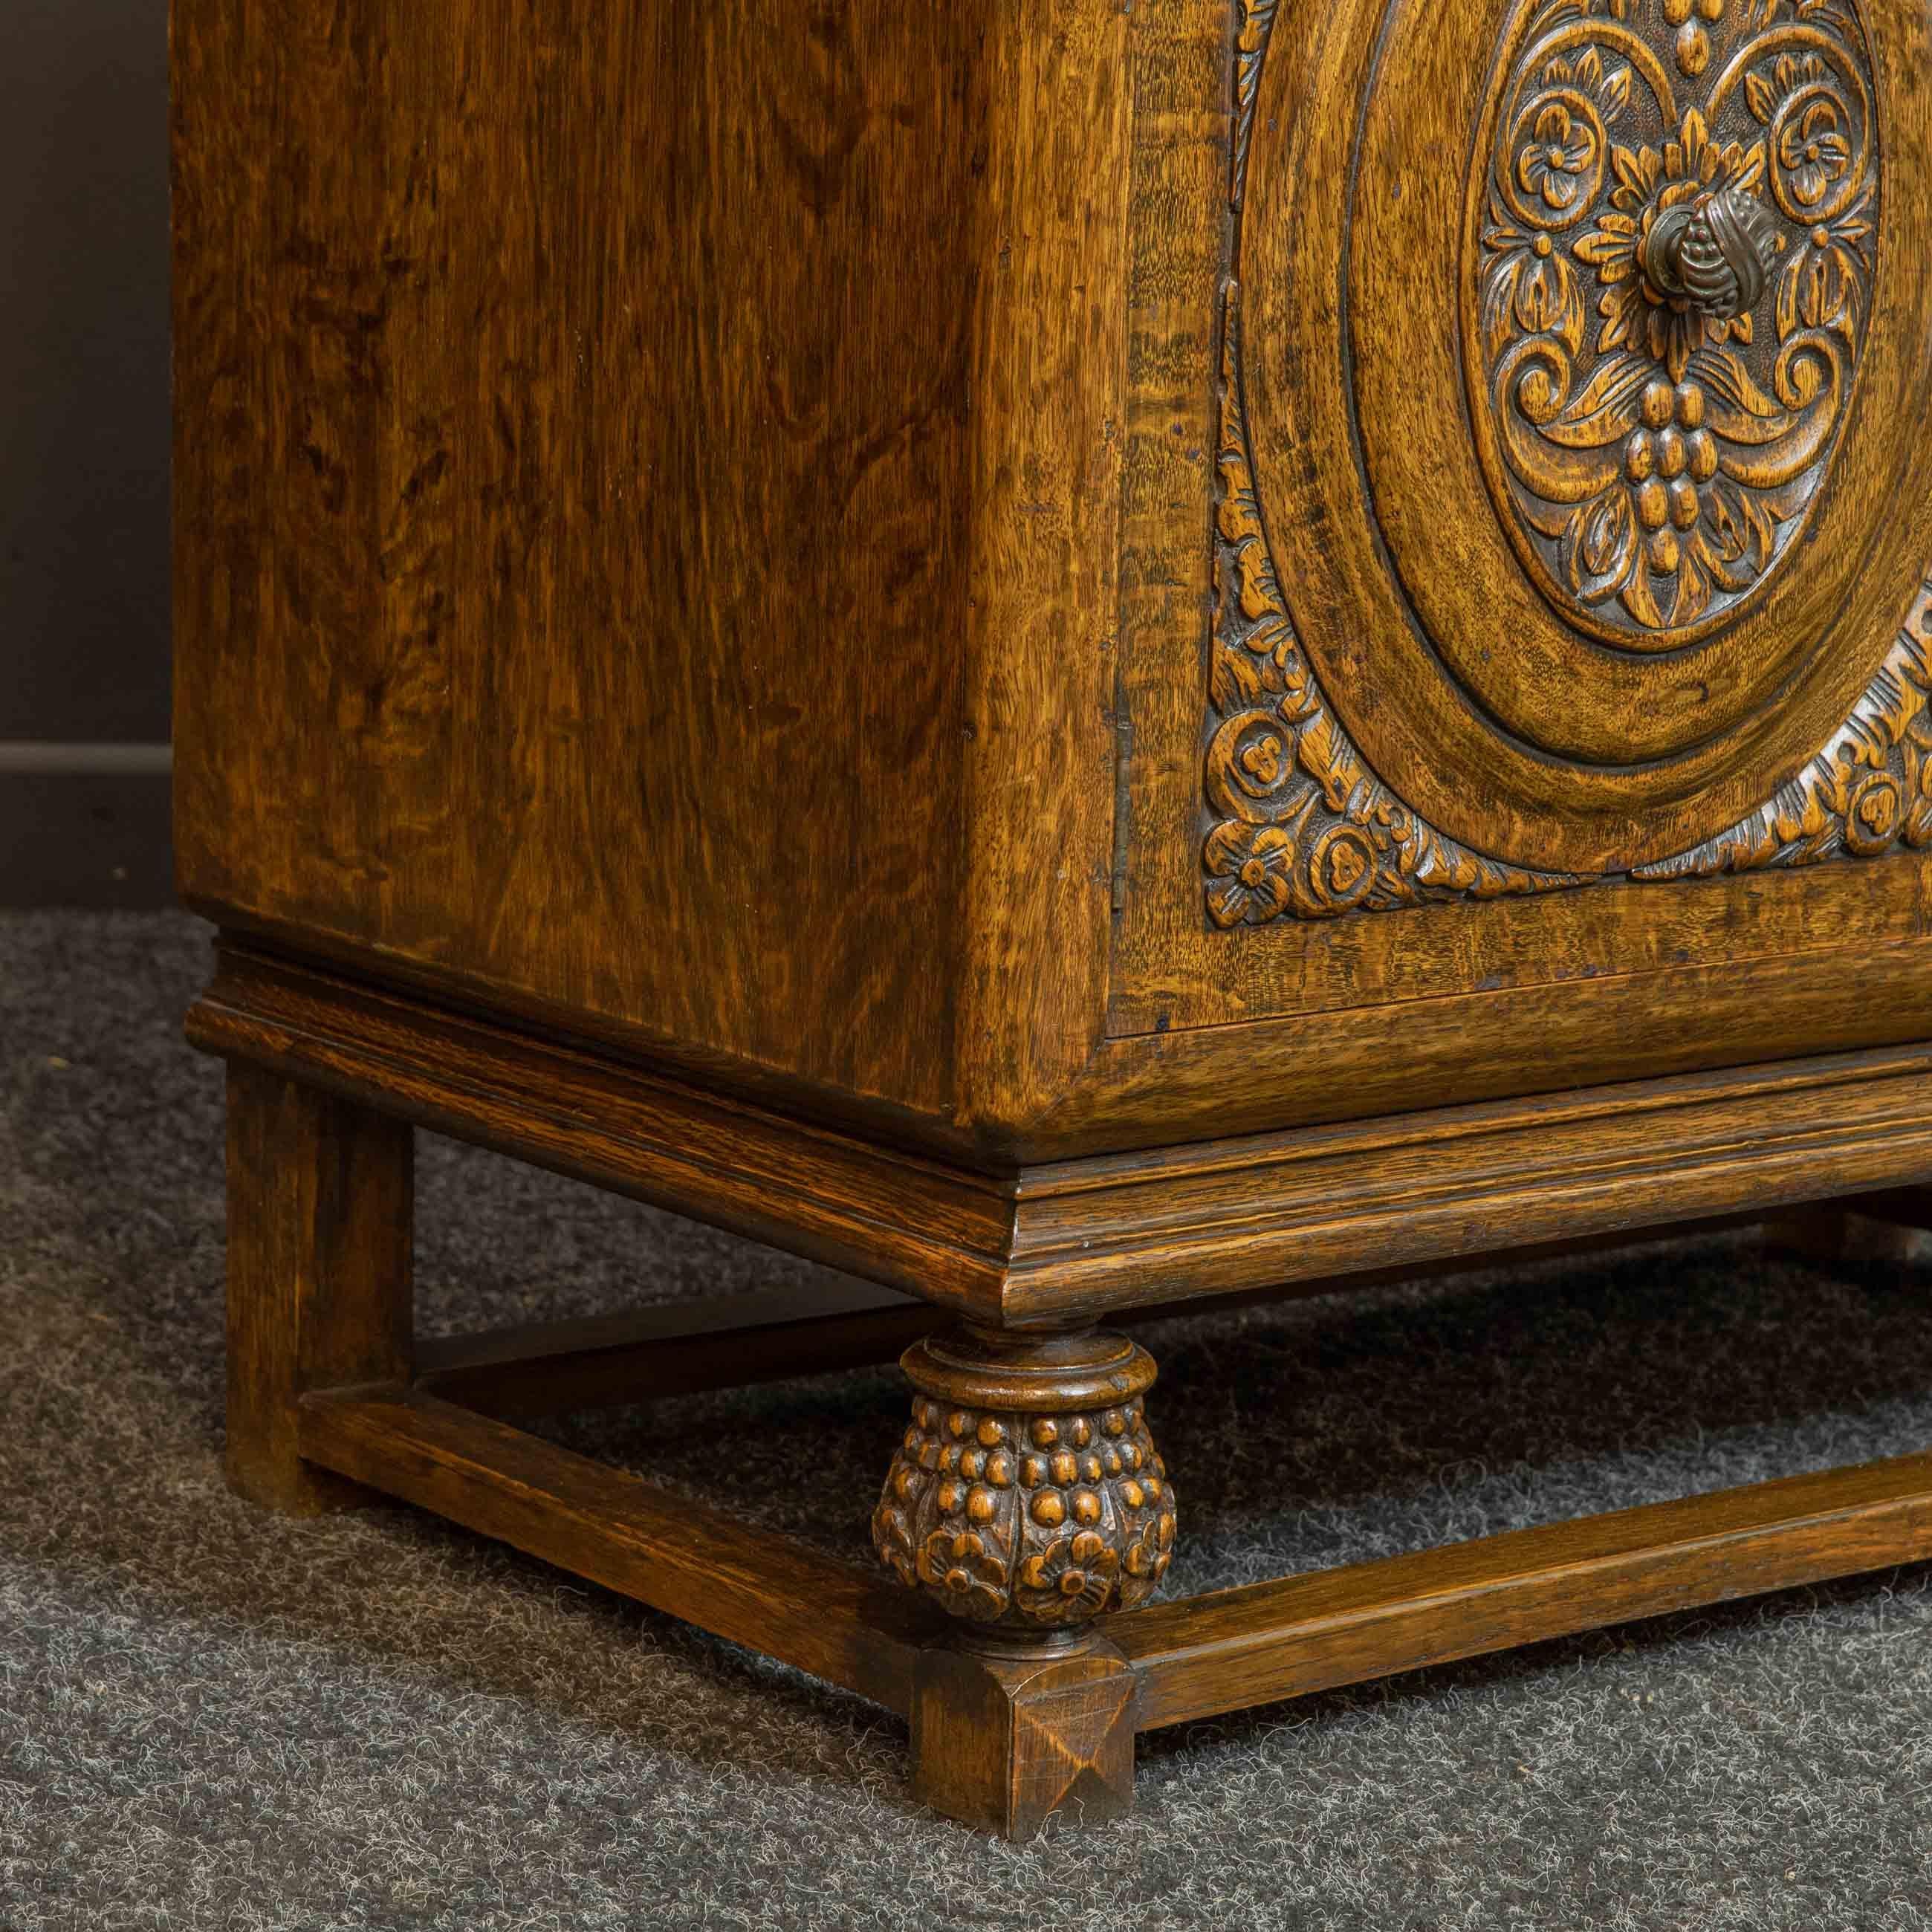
{"type": "Point", "coordinates": [572, 493]}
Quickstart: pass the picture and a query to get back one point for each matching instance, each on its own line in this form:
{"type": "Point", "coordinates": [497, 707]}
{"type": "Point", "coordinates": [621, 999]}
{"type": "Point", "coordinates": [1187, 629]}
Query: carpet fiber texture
{"type": "Point", "coordinates": [212, 1718]}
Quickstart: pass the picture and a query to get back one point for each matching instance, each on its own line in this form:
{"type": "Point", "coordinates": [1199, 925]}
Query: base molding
{"type": "Point", "coordinates": [1074, 1240]}
{"type": "Point", "coordinates": [1027, 1519]}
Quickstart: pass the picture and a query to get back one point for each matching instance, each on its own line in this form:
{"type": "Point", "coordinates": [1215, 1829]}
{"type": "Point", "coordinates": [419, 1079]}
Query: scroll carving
{"type": "Point", "coordinates": [1868, 793]}
{"type": "Point", "coordinates": [1715, 390]}
{"type": "Point", "coordinates": [1670, 298]}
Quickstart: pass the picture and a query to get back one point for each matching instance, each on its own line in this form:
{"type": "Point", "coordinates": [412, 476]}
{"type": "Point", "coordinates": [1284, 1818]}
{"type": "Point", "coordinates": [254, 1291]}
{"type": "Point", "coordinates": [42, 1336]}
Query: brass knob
{"type": "Point", "coordinates": [1715, 253]}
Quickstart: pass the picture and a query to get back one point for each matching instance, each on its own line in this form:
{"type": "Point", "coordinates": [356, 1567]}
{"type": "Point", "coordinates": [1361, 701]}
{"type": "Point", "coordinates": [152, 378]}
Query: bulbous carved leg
{"type": "Point", "coordinates": [1027, 1499]}
{"type": "Point", "coordinates": [1028, 1495]}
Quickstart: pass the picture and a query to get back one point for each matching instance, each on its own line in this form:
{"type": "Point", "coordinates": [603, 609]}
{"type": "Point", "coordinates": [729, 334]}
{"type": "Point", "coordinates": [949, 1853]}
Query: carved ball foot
{"type": "Point", "coordinates": [1027, 1498]}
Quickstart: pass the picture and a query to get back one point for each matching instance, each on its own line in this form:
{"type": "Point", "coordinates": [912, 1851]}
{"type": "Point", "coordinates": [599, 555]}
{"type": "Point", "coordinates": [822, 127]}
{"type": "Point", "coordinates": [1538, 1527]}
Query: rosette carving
{"type": "Point", "coordinates": [1028, 1494]}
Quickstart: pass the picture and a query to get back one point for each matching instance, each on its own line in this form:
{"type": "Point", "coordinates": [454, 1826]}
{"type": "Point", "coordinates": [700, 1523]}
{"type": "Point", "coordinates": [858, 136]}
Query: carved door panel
{"type": "Point", "coordinates": [1574, 513]}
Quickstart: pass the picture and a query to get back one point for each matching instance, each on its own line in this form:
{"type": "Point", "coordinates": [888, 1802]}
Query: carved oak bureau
{"type": "Point", "coordinates": [1077, 659]}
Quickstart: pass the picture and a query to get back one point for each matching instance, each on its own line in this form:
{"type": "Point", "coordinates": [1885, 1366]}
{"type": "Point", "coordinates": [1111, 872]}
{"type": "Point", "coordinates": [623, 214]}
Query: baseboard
{"type": "Point", "coordinates": [85, 825]}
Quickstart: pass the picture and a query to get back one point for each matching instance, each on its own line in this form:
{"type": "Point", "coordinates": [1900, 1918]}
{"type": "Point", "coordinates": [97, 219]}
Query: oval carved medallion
{"type": "Point", "coordinates": [1675, 221]}
{"type": "Point", "coordinates": [1573, 526]}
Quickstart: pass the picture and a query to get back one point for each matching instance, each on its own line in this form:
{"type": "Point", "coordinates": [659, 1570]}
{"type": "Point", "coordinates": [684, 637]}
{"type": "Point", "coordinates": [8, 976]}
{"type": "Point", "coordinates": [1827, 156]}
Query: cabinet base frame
{"type": "Point", "coordinates": [1189, 1658]}
{"type": "Point", "coordinates": [333, 1398]}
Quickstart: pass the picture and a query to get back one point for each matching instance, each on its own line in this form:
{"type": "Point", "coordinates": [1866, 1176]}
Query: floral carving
{"type": "Point", "coordinates": [1815, 152]}
{"type": "Point", "coordinates": [1867, 793]}
{"type": "Point", "coordinates": [970, 1578]}
{"type": "Point", "coordinates": [1031, 1521]}
{"type": "Point", "coordinates": [1650, 185]}
{"type": "Point", "coordinates": [1300, 826]}
{"type": "Point", "coordinates": [1560, 160]}
{"type": "Point", "coordinates": [1068, 1581]}
{"type": "Point", "coordinates": [1304, 827]}
{"type": "Point", "coordinates": [1654, 471]}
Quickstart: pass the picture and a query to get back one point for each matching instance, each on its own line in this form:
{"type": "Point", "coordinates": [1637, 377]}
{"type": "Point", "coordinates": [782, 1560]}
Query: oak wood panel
{"type": "Point", "coordinates": [1660, 934]}
{"type": "Point", "coordinates": [493, 658]}
{"type": "Point", "coordinates": [450, 709]}
{"type": "Point", "coordinates": [1179, 247]}
{"type": "Point", "coordinates": [1350, 1062]}
{"type": "Point", "coordinates": [1173, 972]}
{"type": "Point", "coordinates": [669, 1551]}
{"type": "Point", "coordinates": [277, 161]}
{"type": "Point", "coordinates": [1201, 1655]}
{"type": "Point", "coordinates": [1353, 258]}
{"type": "Point", "coordinates": [1049, 395]}
{"type": "Point", "coordinates": [499, 668]}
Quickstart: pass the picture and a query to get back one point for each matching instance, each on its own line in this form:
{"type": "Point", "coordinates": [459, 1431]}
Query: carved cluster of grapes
{"type": "Point", "coordinates": [1668, 456]}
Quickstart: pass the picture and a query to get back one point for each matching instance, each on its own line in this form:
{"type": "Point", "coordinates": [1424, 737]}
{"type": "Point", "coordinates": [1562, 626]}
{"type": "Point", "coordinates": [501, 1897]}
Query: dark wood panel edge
{"type": "Point", "coordinates": [667, 1550]}
{"type": "Point", "coordinates": [1202, 1655]}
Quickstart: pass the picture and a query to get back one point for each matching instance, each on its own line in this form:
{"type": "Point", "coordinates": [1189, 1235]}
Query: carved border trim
{"type": "Point", "coordinates": [1303, 826]}
{"type": "Point", "coordinates": [1299, 826]}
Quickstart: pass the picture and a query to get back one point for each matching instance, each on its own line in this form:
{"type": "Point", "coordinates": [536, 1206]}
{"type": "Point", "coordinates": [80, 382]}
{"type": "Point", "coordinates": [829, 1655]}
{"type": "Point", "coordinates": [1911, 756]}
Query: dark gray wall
{"type": "Point", "coordinates": [83, 446]}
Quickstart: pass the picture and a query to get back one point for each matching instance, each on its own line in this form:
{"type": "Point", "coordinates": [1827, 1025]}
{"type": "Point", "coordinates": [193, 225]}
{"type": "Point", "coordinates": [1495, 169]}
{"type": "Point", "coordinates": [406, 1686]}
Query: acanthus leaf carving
{"type": "Point", "coordinates": [1867, 793]}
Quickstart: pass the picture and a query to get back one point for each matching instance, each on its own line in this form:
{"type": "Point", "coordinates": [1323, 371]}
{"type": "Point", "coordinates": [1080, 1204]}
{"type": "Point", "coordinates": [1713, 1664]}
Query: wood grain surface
{"type": "Point", "coordinates": [785, 660]}
{"type": "Point", "coordinates": [321, 1200]}
{"type": "Point", "coordinates": [576, 502]}
{"type": "Point", "coordinates": [671, 1552]}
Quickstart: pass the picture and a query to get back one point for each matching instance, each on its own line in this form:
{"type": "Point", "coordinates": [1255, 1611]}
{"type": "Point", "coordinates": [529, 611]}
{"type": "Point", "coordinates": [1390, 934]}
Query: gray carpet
{"type": "Point", "coordinates": [211, 1718]}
